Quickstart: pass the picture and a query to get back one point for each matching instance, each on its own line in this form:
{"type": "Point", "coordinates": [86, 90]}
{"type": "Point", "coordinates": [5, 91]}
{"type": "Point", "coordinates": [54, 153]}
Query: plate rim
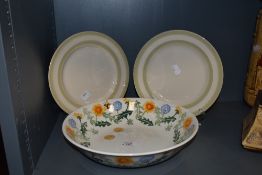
{"type": "Point", "coordinates": [214, 97]}
{"type": "Point", "coordinates": [123, 58]}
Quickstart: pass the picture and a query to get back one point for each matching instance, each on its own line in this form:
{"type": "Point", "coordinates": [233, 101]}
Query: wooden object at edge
{"type": "Point", "coordinates": [254, 74]}
{"type": "Point", "coordinates": [252, 126]}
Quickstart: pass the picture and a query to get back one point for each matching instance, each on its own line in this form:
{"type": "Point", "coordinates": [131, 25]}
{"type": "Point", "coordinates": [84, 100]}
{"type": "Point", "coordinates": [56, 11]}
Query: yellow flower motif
{"type": "Point", "coordinates": [126, 100]}
{"type": "Point", "coordinates": [178, 109]}
{"type": "Point", "coordinates": [98, 110]}
{"type": "Point", "coordinates": [107, 104]}
{"type": "Point", "coordinates": [149, 106]}
{"type": "Point", "coordinates": [187, 122]}
{"type": "Point", "coordinates": [78, 115]}
{"type": "Point", "coordinates": [70, 132]}
{"type": "Point", "coordinates": [124, 160]}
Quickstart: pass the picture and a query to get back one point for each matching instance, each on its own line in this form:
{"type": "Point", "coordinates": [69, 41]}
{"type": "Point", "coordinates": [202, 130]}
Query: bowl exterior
{"type": "Point", "coordinates": [131, 161]}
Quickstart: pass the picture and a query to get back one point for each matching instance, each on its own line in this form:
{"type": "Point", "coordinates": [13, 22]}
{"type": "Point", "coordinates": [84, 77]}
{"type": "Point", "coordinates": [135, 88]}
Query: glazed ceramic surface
{"type": "Point", "coordinates": [131, 132]}
{"type": "Point", "coordinates": [180, 67]}
{"type": "Point", "coordinates": [87, 67]}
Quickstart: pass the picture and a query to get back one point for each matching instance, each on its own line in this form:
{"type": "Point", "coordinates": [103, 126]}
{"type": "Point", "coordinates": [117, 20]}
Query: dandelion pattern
{"type": "Point", "coordinates": [149, 106]}
{"type": "Point", "coordinates": [85, 123]}
{"type": "Point", "coordinates": [117, 105]}
{"type": "Point", "coordinates": [98, 110]}
{"type": "Point", "coordinates": [165, 109]}
{"type": "Point", "coordinates": [72, 123]}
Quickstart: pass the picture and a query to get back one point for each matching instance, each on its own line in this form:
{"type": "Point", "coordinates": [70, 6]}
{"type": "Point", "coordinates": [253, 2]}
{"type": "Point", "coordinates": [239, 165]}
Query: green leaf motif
{"type": "Point", "coordinates": [88, 115]}
{"type": "Point", "coordinates": [123, 115]}
{"type": "Point", "coordinates": [158, 122]}
{"type": "Point", "coordinates": [176, 137]}
{"type": "Point", "coordinates": [158, 112]}
{"type": "Point", "coordinates": [168, 128]}
{"type": "Point", "coordinates": [180, 121]}
{"type": "Point", "coordinates": [94, 131]}
{"type": "Point", "coordinates": [139, 109]}
{"type": "Point", "coordinates": [137, 103]}
{"type": "Point", "coordinates": [130, 122]}
{"type": "Point", "coordinates": [169, 119]}
{"type": "Point", "coordinates": [86, 144]}
{"type": "Point", "coordinates": [183, 116]}
{"type": "Point", "coordinates": [83, 128]}
{"type": "Point", "coordinates": [102, 123]}
{"type": "Point", "coordinates": [92, 122]}
{"type": "Point", "coordinates": [145, 121]}
{"type": "Point", "coordinates": [106, 115]}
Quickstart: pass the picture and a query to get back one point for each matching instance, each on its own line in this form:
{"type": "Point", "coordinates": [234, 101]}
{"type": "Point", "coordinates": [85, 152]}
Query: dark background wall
{"type": "Point", "coordinates": [228, 25]}
{"type": "Point", "coordinates": [28, 112]}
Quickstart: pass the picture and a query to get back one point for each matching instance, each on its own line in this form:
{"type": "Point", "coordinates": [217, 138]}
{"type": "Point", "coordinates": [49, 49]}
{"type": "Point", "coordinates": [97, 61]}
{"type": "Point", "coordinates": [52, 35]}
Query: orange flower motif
{"type": "Point", "coordinates": [78, 115]}
{"type": "Point", "coordinates": [149, 106]}
{"type": "Point", "coordinates": [70, 132]}
{"type": "Point", "coordinates": [98, 110]}
{"type": "Point", "coordinates": [124, 160]}
{"type": "Point", "coordinates": [187, 122]}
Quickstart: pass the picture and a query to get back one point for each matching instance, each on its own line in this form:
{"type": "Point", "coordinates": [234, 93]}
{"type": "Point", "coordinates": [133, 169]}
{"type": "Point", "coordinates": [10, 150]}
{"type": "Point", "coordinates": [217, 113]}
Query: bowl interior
{"type": "Point", "coordinates": [132, 126]}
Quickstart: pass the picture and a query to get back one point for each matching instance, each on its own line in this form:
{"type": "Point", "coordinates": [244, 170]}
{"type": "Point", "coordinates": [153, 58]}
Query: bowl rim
{"type": "Point", "coordinates": [84, 148]}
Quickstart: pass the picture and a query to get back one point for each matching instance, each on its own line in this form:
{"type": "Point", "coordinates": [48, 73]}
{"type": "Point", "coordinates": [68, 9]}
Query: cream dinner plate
{"type": "Point", "coordinates": [87, 67]}
{"type": "Point", "coordinates": [180, 67]}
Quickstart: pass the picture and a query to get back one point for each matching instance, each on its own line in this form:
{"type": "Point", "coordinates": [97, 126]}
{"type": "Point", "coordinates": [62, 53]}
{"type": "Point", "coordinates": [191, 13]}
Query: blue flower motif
{"type": "Point", "coordinates": [72, 123]}
{"type": "Point", "coordinates": [146, 159]}
{"type": "Point", "coordinates": [117, 105]}
{"type": "Point", "coordinates": [165, 109]}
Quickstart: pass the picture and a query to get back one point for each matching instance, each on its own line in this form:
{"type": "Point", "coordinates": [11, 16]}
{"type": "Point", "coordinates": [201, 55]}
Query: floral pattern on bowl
{"type": "Point", "coordinates": [130, 132]}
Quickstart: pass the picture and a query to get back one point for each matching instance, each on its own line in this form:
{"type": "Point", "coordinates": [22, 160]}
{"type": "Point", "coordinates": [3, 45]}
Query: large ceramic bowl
{"type": "Point", "coordinates": [131, 132]}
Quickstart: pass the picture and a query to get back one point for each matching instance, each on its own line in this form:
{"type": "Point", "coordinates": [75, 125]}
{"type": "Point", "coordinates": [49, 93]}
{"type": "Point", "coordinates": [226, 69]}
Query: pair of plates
{"type": "Point", "coordinates": [176, 66]}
